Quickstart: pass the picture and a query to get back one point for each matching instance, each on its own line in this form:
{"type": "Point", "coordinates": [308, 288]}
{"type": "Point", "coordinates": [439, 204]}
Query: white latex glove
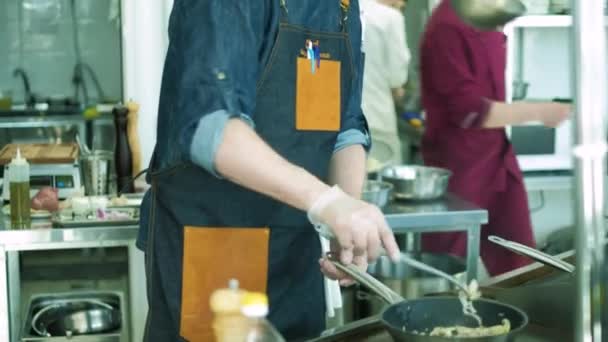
{"type": "Point", "coordinates": [360, 229]}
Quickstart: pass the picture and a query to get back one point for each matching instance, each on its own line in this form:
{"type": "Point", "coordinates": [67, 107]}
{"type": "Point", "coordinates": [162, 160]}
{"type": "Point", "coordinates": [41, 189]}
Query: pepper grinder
{"type": "Point", "coordinates": [122, 151]}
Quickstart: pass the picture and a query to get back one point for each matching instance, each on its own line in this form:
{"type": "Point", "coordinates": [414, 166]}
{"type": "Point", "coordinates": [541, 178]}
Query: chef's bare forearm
{"type": "Point", "coordinates": [347, 169]}
{"type": "Point", "coordinates": [503, 114]}
{"type": "Point", "coordinates": [244, 158]}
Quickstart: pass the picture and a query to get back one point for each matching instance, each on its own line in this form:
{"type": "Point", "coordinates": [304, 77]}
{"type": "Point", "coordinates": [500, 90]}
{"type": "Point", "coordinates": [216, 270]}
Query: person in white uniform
{"type": "Point", "coordinates": [387, 58]}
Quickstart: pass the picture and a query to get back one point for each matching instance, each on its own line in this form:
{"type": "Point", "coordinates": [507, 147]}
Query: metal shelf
{"type": "Point", "coordinates": [540, 21]}
{"type": "Point", "coordinates": [516, 33]}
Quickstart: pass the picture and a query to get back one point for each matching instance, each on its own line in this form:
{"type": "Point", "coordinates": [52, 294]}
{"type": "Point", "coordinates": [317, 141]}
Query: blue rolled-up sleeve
{"type": "Point", "coordinates": [213, 60]}
{"type": "Point", "coordinates": [208, 136]}
{"type": "Point", "coordinates": [351, 137]}
{"type": "Point", "coordinates": [354, 128]}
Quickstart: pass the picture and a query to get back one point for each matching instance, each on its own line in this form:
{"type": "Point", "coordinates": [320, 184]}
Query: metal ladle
{"type": "Point", "coordinates": [488, 14]}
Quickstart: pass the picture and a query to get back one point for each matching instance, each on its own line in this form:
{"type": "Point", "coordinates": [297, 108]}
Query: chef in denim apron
{"type": "Point", "coordinates": [292, 71]}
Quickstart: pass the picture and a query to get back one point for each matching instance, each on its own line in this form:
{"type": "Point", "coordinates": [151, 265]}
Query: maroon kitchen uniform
{"type": "Point", "coordinates": [462, 71]}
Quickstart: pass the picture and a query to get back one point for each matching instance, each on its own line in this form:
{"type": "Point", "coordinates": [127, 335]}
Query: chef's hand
{"type": "Point", "coordinates": [552, 114]}
{"type": "Point", "coordinates": [359, 227]}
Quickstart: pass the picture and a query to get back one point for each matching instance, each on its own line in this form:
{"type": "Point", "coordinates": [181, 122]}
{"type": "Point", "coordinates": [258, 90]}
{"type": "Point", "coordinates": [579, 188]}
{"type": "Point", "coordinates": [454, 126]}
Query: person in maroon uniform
{"type": "Point", "coordinates": [463, 93]}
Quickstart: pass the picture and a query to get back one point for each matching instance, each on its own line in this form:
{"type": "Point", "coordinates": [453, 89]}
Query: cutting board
{"type": "Point", "coordinates": [41, 153]}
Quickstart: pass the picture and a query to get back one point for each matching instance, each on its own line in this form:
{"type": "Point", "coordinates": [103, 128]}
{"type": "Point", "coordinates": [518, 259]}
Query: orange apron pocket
{"type": "Point", "coordinates": [213, 256]}
{"type": "Point", "coordinates": [318, 96]}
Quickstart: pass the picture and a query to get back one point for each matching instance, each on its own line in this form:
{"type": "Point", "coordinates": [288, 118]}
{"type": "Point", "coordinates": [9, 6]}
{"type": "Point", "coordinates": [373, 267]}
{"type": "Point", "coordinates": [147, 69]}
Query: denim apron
{"type": "Point", "coordinates": [202, 228]}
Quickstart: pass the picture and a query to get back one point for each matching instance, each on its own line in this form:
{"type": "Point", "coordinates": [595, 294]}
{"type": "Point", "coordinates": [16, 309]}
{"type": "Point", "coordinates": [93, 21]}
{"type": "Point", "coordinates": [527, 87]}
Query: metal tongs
{"type": "Point", "coordinates": [388, 294]}
{"type": "Point", "coordinates": [325, 232]}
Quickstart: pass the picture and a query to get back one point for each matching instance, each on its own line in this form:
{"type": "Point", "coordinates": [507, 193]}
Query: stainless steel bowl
{"type": "Point", "coordinates": [377, 192]}
{"type": "Point", "coordinates": [76, 317]}
{"type": "Point", "coordinates": [417, 182]}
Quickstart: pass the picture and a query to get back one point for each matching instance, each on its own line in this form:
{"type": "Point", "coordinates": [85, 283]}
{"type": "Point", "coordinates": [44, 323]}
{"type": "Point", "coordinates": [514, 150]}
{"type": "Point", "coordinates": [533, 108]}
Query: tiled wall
{"type": "Point", "coordinates": [37, 36]}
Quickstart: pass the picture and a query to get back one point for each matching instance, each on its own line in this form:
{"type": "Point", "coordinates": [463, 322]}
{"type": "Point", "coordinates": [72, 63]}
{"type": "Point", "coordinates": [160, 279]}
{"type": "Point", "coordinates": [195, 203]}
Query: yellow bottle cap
{"type": "Point", "coordinates": [254, 304]}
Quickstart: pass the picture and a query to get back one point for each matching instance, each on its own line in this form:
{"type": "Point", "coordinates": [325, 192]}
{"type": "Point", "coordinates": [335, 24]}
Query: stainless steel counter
{"type": "Point", "coordinates": [449, 211]}
{"type": "Point", "coordinates": [448, 214]}
{"type": "Point", "coordinates": [14, 241]}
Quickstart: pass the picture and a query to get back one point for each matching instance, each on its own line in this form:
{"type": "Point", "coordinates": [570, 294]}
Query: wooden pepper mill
{"type": "Point", "coordinates": [133, 136]}
{"type": "Point", "coordinates": [122, 151]}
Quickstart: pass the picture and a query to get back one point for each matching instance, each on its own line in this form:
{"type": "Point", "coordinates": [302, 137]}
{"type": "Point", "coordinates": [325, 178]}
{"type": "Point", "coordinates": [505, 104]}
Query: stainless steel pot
{"type": "Point", "coordinates": [412, 182]}
{"type": "Point", "coordinates": [377, 192]}
{"type": "Point", "coordinates": [409, 282]}
{"type": "Point", "coordinates": [76, 317]}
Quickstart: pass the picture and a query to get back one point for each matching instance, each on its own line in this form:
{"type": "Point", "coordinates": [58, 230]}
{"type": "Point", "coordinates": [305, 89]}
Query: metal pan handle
{"type": "Point", "coordinates": [533, 254]}
{"type": "Point", "coordinates": [346, 331]}
{"type": "Point", "coordinates": [388, 295]}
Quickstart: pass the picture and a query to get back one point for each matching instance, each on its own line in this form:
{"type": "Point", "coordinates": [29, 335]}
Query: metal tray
{"type": "Point", "coordinates": [66, 219]}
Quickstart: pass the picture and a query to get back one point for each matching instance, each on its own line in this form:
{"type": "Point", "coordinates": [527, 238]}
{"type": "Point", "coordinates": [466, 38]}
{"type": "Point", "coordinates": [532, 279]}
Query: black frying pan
{"type": "Point", "coordinates": [402, 318]}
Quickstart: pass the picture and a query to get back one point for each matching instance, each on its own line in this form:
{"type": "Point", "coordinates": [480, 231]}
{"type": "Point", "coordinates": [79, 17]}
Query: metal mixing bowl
{"type": "Point", "coordinates": [377, 192]}
{"type": "Point", "coordinates": [413, 182]}
{"type": "Point", "coordinates": [76, 317]}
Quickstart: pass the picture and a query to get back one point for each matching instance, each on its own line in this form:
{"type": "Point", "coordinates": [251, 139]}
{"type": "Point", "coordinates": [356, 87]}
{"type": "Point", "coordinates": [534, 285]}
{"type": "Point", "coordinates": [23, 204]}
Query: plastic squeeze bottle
{"type": "Point", "coordinates": [19, 183]}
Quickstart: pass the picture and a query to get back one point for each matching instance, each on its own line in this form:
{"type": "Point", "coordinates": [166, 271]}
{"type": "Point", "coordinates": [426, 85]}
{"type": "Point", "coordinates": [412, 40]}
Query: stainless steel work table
{"type": "Point", "coordinates": [14, 241]}
{"type": "Point", "coordinates": [448, 214]}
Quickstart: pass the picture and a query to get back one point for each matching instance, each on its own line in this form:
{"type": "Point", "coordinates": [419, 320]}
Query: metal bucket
{"type": "Point", "coordinates": [411, 283]}
{"type": "Point", "coordinates": [98, 172]}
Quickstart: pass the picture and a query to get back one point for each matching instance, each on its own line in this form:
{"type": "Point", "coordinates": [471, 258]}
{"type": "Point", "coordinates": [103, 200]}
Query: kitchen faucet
{"type": "Point", "coordinates": [80, 84]}
{"type": "Point", "coordinates": [29, 98]}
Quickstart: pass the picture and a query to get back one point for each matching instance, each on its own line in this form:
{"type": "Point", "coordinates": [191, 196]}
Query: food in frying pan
{"type": "Point", "coordinates": [460, 331]}
{"type": "Point", "coordinates": [466, 299]}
